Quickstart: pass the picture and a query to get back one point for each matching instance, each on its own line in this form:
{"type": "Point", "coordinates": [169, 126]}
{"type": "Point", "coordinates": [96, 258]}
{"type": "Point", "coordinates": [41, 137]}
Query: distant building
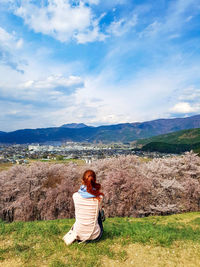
{"type": "Point", "coordinates": [34, 147]}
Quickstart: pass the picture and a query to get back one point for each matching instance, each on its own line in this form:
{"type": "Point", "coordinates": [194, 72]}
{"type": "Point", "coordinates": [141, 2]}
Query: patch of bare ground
{"type": "Point", "coordinates": [180, 254]}
{"type": "Point", "coordinates": [5, 166]}
{"type": "Point", "coordinates": [11, 263]}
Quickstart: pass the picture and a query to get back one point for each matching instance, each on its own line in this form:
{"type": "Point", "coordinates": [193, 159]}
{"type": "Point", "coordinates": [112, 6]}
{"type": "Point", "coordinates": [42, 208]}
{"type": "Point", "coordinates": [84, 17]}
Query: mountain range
{"type": "Point", "coordinates": [124, 132]}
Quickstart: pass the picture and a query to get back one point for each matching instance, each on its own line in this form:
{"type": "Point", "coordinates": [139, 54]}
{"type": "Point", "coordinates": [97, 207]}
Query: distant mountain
{"type": "Point", "coordinates": [124, 132]}
{"type": "Point", "coordinates": [74, 125]}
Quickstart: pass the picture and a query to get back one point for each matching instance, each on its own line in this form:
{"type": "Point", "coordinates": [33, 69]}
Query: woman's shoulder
{"type": "Point", "coordinates": [78, 198]}
{"type": "Point", "coordinates": [75, 195]}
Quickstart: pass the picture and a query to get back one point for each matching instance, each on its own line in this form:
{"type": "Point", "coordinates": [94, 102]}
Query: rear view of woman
{"type": "Point", "coordinates": [88, 226]}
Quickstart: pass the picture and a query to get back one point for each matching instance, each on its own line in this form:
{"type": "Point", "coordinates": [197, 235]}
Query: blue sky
{"type": "Point", "coordinates": [97, 62]}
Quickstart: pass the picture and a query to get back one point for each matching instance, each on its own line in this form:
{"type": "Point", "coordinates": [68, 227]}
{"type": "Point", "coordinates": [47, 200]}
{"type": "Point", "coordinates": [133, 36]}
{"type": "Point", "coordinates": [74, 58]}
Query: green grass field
{"type": "Point", "coordinates": [154, 241]}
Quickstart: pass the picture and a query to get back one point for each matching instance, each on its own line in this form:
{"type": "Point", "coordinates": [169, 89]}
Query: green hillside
{"type": "Point", "coordinates": [176, 142]}
{"type": "Point", "coordinates": [170, 148]}
{"type": "Point", "coordinates": [191, 136]}
{"type": "Point", "coordinates": [173, 240]}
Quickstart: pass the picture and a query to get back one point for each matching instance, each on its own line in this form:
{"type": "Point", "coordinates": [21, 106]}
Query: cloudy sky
{"type": "Point", "coordinates": [97, 62]}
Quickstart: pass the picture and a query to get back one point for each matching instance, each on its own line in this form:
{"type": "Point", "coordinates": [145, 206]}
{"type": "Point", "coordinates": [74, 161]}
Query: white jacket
{"type": "Point", "coordinates": [86, 215]}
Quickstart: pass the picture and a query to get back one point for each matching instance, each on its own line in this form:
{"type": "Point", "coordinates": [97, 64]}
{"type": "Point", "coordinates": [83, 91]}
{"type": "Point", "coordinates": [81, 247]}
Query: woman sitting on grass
{"type": "Point", "coordinates": [88, 226]}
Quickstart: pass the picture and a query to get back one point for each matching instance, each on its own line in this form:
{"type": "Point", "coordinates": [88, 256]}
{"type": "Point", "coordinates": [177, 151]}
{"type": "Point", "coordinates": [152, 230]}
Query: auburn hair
{"type": "Point", "coordinates": [89, 180]}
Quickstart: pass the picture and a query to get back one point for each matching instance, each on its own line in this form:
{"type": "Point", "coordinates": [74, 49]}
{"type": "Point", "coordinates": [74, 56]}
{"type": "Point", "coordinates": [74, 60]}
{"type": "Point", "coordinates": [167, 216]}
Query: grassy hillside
{"type": "Point", "coordinates": [170, 148]}
{"type": "Point", "coordinates": [191, 136]}
{"type": "Point", "coordinates": [153, 241]}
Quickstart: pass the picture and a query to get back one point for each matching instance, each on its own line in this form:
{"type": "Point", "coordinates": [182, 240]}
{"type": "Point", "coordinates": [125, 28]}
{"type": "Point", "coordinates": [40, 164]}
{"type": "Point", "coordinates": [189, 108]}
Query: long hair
{"type": "Point", "coordinates": [89, 180]}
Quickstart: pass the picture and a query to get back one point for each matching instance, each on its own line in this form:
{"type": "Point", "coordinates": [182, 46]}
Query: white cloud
{"type": "Point", "coordinates": [189, 18]}
{"type": "Point", "coordinates": [61, 20]}
{"type": "Point", "coordinates": [7, 1]}
{"type": "Point", "coordinates": [122, 26]}
{"type": "Point", "coordinates": [191, 94]}
{"type": "Point", "coordinates": [91, 35]}
{"type": "Point", "coordinates": [53, 91]}
{"type": "Point", "coordinates": [92, 2]}
{"type": "Point", "coordinates": [10, 47]}
{"type": "Point", "coordinates": [184, 107]}
{"type": "Point", "coordinates": [120, 102]}
{"type": "Point", "coordinates": [5, 37]}
{"type": "Point", "coordinates": [53, 81]}
{"type": "Point", "coordinates": [9, 41]}
{"type": "Point", "coordinates": [21, 115]}
{"type": "Point", "coordinates": [174, 36]}
{"type": "Point", "coordinates": [149, 95]}
{"type": "Point", "coordinates": [151, 30]}
{"type": "Point", "coordinates": [64, 22]}
{"type": "Point", "coordinates": [19, 43]}
{"type": "Point", "coordinates": [172, 23]}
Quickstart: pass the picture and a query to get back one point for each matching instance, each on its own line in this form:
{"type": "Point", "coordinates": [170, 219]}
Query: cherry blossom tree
{"type": "Point", "coordinates": [132, 187]}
